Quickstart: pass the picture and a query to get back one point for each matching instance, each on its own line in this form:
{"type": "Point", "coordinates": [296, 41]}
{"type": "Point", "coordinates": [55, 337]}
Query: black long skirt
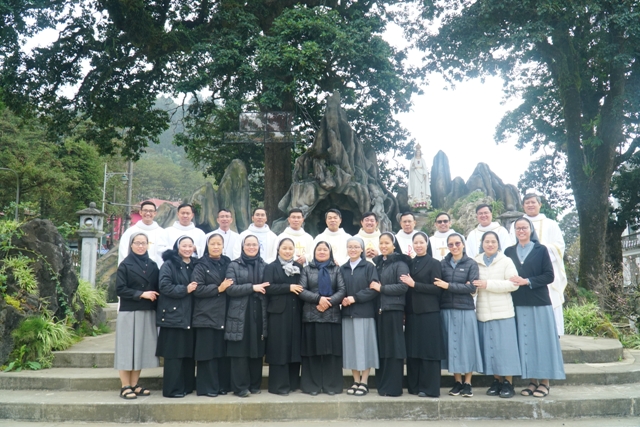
{"type": "Point", "coordinates": [210, 348]}
{"type": "Point", "coordinates": [392, 352]}
{"type": "Point", "coordinates": [177, 346]}
{"type": "Point", "coordinates": [285, 334]}
{"type": "Point", "coordinates": [321, 358]}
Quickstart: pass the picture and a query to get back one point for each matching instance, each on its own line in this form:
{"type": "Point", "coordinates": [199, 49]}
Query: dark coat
{"type": "Point", "coordinates": [424, 297]}
{"type": "Point", "coordinates": [356, 283]}
{"type": "Point", "coordinates": [537, 267]}
{"type": "Point", "coordinates": [131, 283]}
{"type": "Point", "coordinates": [311, 296]}
{"type": "Point", "coordinates": [279, 292]}
{"type": "Point", "coordinates": [392, 290]}
{"type": "Point", "coordinates": [239, 293]}
{"type": "Point", "coordinates": [209, 305]}
{"type": "Point", "coordinates": [459, 295]}
{"type": "Point", "coordinates": [175, 303]}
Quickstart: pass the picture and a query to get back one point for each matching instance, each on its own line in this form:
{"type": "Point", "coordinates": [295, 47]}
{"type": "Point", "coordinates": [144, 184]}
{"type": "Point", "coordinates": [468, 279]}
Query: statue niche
{"type": "Point", "coordinates": [337, 171]}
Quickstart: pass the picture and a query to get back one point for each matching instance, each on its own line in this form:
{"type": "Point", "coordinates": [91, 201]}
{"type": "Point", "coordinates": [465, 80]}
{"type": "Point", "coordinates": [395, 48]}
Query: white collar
{"type": "Point", "coordinates": [290, 231]}
{"type": "Point", "coordinates": [261, 230]}
{"type": "Point", "coordinates": [330, 233]}
{"type": "Point", "coordinates": [141, 225]}
{"type": "Point", "coordinates": [538, 217]}
{"type": "Point", "coordinates": [440, 235]}
{"type": "Point", "coordinates": [493, 226]}
{"type": "Point", "coordinates": [181, 227]}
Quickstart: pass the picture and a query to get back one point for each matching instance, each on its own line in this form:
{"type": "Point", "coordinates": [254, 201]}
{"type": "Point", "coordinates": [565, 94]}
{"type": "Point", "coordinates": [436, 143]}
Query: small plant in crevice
{"type": "Point", "coordinates": [90, 296]}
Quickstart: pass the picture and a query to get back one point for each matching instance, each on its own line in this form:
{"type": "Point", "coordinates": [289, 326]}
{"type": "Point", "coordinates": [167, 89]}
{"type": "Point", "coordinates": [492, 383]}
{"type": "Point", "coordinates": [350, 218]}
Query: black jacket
{"type": "Point", "coordinates": [537, 267]}
{"type": "Point", "coordinates": [424, 297]}
{"type": "Point", "coordinates": [131, 284]}
{"type": "Point", "coordinates": [392, 290]}
{"type": "Point", "coordinates": [279, 290]}
{"type": "Point", "coordinates": [356, 283]}
{"type": "Point", "coordinates": [459, 295]}
{"type": "Point", "coordinates": [175, 303]}
{"type": "Point", "coordinates": [239, 293]}
{"type": "Point", "coordinates": [311, 296]}
{"type": "Point", "coordinates": [209, 305]}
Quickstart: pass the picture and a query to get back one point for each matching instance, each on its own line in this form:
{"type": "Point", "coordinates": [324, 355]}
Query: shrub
{"type": "Point", "coordinates": [588, 320]}
{"type": "Point", "coordinates": [37, 337]}
{"type": "Point", "coordinates": [90, 296]}
{"type": "Point", "coordinates": [23, 275]}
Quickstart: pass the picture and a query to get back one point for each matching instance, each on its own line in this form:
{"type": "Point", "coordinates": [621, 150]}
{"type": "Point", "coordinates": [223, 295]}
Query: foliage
{"type": "Point", "coordinates": [570, 226]}
{"type": "Point", "coordinates": [86, 329]}
{"type": "Point", "coordinates": [20, 268]}
{"type": "Point", "coordinates": [575, 66]}
{"type": "Point", "coordinates": [37, 337]}
{"type": "Point", "coordinates": [92, 298]}
{"type": "Point", "coordinates": [13, 302]}
{"type": "Point", "coordinates": [471, 198]}
{"type": "Point", "coordinates": [588, 320]}
{"type": "Point", "coordinates": [631, 341]}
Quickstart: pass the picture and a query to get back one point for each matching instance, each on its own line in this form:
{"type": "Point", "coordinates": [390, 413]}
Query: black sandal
{"type": "Point", "coordinates": [128, 395]}
{"type": "Point", "coordinates": [352, 390]}
{"type": "Point", "coordinates": [527, 391]}
{"type": "Point", "coordinates": [143, 391]}
{"type": "Point", "coordinates": [540, 392]}
{"type": "Point", "coordinates": [362, 390]}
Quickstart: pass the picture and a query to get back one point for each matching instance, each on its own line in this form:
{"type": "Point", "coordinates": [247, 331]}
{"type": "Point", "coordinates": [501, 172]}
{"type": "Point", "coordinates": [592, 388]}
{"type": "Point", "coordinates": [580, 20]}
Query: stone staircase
{"type": "Point", "coordinates": [603, 380]}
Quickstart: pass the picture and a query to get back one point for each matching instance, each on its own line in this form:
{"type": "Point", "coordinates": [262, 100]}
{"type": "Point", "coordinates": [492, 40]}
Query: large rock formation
{"type": "Point", "coordinates": [55, 274]}
{"type": "Point", "coordinates": [445, 192]}
{"type": "Point", "coordinates": [337, 172]}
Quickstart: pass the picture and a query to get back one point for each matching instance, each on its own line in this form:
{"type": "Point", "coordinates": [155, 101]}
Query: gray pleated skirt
{"type": "Point", "coordinates": [538, 343]}
{"type": "Point", "coordinates": [359, 344]}
{"type": "Point", "coordinates": [460, 328]}
{"type": "Point", "coordinates": [136, 339]}
{"type": "Point", "coordinates": [499, 347]}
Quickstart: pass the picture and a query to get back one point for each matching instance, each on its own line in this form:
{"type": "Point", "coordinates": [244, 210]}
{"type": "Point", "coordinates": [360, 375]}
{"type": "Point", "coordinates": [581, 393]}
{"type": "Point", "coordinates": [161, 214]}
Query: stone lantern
{"type": "Point", "coordinates": [90, 230]}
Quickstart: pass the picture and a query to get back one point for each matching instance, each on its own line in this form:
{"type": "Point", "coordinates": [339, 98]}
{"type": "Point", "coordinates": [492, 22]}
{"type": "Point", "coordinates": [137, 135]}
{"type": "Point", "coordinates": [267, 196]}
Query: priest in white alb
{"type": "Point", "coordinates": [184, 226]}
{"type": "Point", "coordinates": [266, 237]}
{"type": "Point", "coordinates": [370, 234]}
{"type": "Point", "coordinates": [550, 236]}
{"type": "Point", "coordinates": [484, 214]}
{"type": "Point", "coordinates": [302, 241]}
{"type": "Point", "coordinates": [405, 235]}
{"type": "Point", "coordinates": [230, 237]}
{"type": "Point", "coordinates": [335, 236]}
{"type": "Point", "coordinates": [438, 241]}
{"type": "Point", "coordinates": [148, 226]}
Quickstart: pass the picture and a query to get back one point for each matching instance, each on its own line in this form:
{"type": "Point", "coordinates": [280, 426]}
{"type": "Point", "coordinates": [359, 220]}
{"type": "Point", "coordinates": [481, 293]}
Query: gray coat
{"type": "Point", "coordinates": [311, 297]}
{"type": "Point", "coordinates": [239, 293]}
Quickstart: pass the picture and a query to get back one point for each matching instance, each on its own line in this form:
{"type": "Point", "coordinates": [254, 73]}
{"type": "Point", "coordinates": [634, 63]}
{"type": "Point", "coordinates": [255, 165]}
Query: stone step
{"type": "Point", "coordinates": [626, 371]}
{"type": "Point", "coordinates": [101, 406]}
{"type": "Point", "coordinates": [111, 311]}
{"type": "Point", "coordinates": [97, 352]}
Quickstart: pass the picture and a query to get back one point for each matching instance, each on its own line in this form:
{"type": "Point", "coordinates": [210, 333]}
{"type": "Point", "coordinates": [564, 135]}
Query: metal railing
{"type": "Point", "coordinates": [632, 241]}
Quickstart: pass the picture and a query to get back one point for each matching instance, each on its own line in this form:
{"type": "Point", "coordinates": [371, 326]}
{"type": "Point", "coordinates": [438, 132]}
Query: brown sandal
{"type": "Point", "coordinates": [542, 393]}
{"type": "Point", "coordinates": [529, 391]}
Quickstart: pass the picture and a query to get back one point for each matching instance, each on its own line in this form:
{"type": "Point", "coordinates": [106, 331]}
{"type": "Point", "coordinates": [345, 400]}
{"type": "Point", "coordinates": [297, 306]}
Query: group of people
{"type": "Point", "coordinates": [313, 307]}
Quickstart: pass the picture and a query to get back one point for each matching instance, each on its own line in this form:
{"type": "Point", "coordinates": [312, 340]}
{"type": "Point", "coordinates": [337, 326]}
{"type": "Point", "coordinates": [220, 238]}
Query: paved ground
{"type": "Point", "coordinates": [584, 422]}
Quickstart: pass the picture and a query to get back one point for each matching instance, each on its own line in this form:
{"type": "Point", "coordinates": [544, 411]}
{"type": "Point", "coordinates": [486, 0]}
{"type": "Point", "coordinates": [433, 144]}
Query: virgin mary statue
{"type": "Point", "coordinates": [419, 177]}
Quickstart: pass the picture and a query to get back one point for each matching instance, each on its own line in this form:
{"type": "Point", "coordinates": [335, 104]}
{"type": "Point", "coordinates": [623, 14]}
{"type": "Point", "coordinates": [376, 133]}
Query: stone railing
{"type": "Point", "coordinates": [632, 241]}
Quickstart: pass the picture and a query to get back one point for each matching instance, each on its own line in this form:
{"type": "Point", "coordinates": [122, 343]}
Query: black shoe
{"type": "Point", "coordinates": [331, 393]}
{"type": "Point", "coordinates": [256, 391]}
{"type": "Point", "coordinates": [494, 390]}
{"type": "Point", "coordinates": [313, 393]}
{"type": "Point", "coordinates": [507, 390]}
{"type": "Point", "coordinates": [243, 393]}
{"type": "Point", "coordinates": [211, 395]}
{"type": "Point", "coordinates": [422, 394]}
{"type": "Point", "coordinates": [177, 396]}
{"type": "Point", "coordinates": [457, 388]}
{"type": "Point", "coordinates": [466, 390]}
{"type": "Point", "coordinates": [223, 392]}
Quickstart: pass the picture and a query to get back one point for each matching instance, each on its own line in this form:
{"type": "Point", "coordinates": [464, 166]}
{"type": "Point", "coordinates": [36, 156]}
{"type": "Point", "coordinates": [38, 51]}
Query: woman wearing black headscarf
{"type": "Point", "coordinates": [246, 327]}
{"type": "Point", "coordinates": [209, 313]}
{"type": "Point", "coordinates": [175, 341]}
{"type": "Point", "coordinates": [285, 320]}
{"type": "Point", "coordinates": [540, 352]}
{"type": "Point", "coordinates": [423, 330]}
{"type": "Point", "coordinates": [323, 290]}
{"type": "Point", "coordinates": [136, 336]}
{"type": "Point", "coordinates": [391, 265]}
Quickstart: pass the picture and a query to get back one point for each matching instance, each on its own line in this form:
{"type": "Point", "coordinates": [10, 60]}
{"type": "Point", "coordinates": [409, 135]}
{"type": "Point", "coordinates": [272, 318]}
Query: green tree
{"type": "Point", "coordinates": [575, 65]}
{"type": "Point", "coordinates": [221, 58]}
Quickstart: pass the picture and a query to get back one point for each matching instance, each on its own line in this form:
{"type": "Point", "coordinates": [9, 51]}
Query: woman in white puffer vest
{"type": "Point", "coordinates": [496, 316]}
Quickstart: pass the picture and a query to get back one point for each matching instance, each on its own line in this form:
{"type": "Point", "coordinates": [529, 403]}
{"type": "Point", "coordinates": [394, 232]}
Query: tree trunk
{"type": "Point", "coordinates": [277, 177]}
{"type": "Point", "coordinates": [613, 253]}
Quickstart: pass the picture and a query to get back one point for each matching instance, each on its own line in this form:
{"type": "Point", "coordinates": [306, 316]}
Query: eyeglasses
{"type": "Point", "coordinates": [442, 221]}
{"type": "Point", "coordinates": [522, 228]}
{"type": "Point", "coordinates": [456, 244]}
{"type": "Point", "coordinates": [354, 248]}
{"type": "Point", "coordinates": [140, 244]}
{"type": "Point", "coordinates": [147, 211]}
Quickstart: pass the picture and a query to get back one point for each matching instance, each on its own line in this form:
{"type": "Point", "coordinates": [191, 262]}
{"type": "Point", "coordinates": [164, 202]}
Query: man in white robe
{"type": "Point", "coordinates": [302, 241]}
{"type": "Point", "coordinates": [231, 238]}
{"type": "Point", "coordinates": [438, 241]}
{"type": "Point", "coordinates": [550, 235]}
{"type": "Point", "coordinates": [370, 234]}
{"type": "Point", "coordinates": [148, 226]}
{"type": "Point", "coordinates": [484, 214]}
{"type": "Point", "coordinates": [335, 236]}
{"type": "Point", "coordinates": [184, 226]}
{"type": "Point", "coordinates": [405, 236]}
{"type": "Point", "coordinates": [266, 237]}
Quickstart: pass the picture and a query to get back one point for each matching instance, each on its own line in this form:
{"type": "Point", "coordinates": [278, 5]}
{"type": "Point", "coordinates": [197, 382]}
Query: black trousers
{"type": "Point", "coordinates": [246, 374]}
{"type": "Point", "coordinates": [389, 377]}
{"type": "Point", "coordinates": [224, 373]}
{"type": "Point", "coordinates": [284, 378]}
{"type": "Point", "coordinates": [208, 380]}
{"type": "Point", "coordinates": [178, 376]}
{"type": "Point", "coordinates": [423, 376]}
{"type": "Point", "coordinates": [321, 373]}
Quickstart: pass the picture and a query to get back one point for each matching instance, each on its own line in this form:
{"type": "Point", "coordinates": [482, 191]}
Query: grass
{"type": "Point", "coordinates": [588, 320]}
{"type": "Point", "coordinates": [90, 296]}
